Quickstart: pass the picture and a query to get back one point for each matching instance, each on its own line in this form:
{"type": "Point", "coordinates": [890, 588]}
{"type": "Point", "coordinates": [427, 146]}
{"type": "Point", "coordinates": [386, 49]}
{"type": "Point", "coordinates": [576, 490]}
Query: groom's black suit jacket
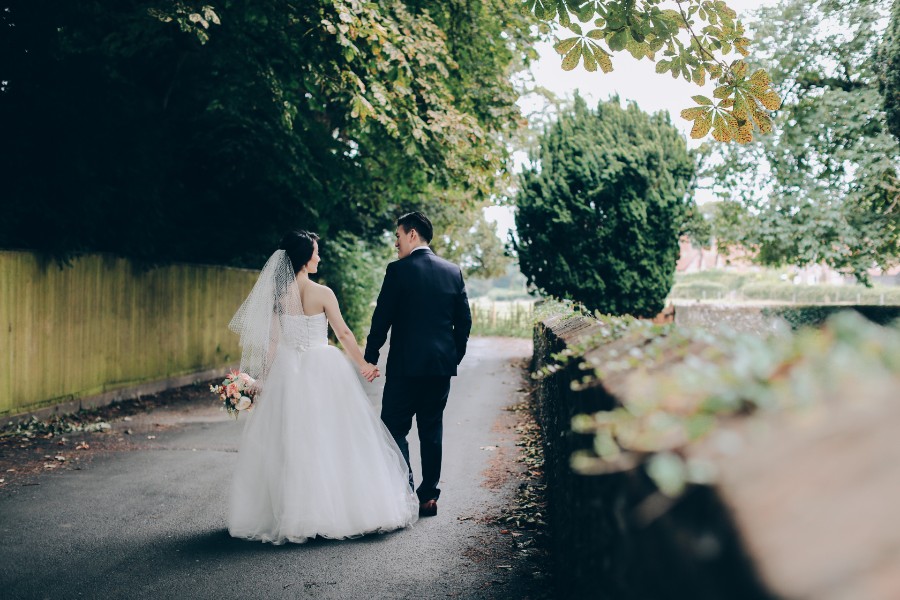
{"type": "Point", "coordinates": [423, 301]}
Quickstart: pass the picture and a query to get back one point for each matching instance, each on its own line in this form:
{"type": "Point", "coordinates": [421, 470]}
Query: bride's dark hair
{"type": "Point", "coordinates": [299, 245]}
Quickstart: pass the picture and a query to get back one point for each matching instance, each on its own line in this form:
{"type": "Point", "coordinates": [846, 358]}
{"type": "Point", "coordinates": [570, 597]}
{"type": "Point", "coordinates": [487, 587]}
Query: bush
{"type": "Point", "coordinates": [598, 218]}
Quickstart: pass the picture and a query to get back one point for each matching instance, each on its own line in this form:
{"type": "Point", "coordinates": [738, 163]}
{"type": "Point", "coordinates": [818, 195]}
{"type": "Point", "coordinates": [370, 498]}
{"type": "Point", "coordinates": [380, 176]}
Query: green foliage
{"type": "Point", "coordinates": [694, 38]}
{"type": "Point", "coordinates": [730, 280]}
{"type": "Point", "coordinates": [510, 285]}
{"type": "Point", "coordinates": [821, 293]}
{"type": "Point", "coordinates": [775, 286]}
{"type": "Point", "coordinates": [701, 381]}
{"type": "Point", "coordinates": [354, 269]}
{"type": "Point", "coordinates": [464, 236]}
{"type": "Point", "coordinates": [184, 132]}
{"type": "Point", "coordinates": [189, 133]}
{"type": "Point", "coordinates": [889, 60]}
{"type": "Point", "coordinates": [815, 316]}
{"type": "Point", "coordinates": [598, 216]}
{"type": "Point", "coordinates": [505, 319]}
{"type": "Point", "coordinates": [698, 289]}
{"type": "Point", "coordinates": [822, 188]}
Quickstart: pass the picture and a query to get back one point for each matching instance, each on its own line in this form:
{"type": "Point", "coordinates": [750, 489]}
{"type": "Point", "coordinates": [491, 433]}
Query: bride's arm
{"type": "Point", "coordinates": [343, 333]}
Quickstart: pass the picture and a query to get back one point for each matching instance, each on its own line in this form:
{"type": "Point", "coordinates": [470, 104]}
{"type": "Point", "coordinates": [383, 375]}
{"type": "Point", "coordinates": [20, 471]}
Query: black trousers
{"type": "Point", "coordinates": [424, 397]}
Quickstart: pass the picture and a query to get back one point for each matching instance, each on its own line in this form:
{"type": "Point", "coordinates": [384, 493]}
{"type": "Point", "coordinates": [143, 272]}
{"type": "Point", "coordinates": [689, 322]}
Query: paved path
{"type": "Point", "coordinates": [151, 523]}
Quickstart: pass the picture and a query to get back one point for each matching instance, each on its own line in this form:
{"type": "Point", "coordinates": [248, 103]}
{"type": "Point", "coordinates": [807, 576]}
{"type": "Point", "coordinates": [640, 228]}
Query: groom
{"type": "Point", "coordinates": [423, 301]}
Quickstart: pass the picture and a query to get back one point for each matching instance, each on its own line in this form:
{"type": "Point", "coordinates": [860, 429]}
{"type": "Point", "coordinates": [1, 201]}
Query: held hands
{"type": "Point", "coordinates": [370, 372]}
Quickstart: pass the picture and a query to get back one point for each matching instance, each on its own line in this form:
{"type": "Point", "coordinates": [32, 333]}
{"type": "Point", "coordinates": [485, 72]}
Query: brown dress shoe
{"type": "Point", "coordinates": [428, 509]}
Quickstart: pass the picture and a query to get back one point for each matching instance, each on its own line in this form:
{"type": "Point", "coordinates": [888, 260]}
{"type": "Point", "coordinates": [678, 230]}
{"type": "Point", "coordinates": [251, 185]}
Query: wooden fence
{"type": "Point", "coordinates": [101, 325]}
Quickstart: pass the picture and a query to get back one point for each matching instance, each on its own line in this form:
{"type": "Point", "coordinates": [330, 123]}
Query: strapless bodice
{"type": "Point", "coordinates": [305, 331]}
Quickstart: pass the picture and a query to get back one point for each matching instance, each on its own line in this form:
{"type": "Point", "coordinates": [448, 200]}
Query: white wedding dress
{"type": "Point", "coordinates": [315, 458]}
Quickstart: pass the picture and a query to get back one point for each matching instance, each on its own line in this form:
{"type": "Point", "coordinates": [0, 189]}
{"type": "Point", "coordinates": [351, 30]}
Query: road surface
{"type": "Point", "coordinates": [149, 521]}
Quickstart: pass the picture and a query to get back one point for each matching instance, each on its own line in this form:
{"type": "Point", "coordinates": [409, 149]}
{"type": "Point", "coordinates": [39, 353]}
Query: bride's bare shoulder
{"type": "Point", "coordinates": [318, 288]}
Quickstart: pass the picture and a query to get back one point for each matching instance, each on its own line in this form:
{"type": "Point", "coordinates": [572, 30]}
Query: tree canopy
{"type": "Point", "coordinates": [599, 212]}
{"type": "Point", "coordinates": [186, 132]}
{"type": "Point", "coordinates": [180, 131]}
{"type": "Point", "coordinates": [695, 39]}
{"type": "Point", "coordinates": [889, 61]}
{"type": "Point", "coordinates": [823, 187]}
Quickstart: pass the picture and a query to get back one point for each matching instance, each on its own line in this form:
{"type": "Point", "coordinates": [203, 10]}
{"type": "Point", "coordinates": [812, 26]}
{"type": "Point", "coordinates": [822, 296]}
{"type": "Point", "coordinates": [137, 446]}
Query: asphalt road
{"type": "Point", "coordinates": [150, 523]}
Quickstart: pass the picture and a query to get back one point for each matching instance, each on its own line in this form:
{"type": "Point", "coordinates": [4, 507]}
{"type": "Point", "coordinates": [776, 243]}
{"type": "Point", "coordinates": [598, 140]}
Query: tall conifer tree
{"type": "Point", "coordinates": [598, 215]}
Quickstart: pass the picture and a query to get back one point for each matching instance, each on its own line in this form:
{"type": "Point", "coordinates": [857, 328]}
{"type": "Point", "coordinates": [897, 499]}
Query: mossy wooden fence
{"type": "Point", "coordinates": [100, 324]}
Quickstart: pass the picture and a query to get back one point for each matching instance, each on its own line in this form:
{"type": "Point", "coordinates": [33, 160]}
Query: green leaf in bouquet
{"type": "Point", "coordinates": [669, 472]}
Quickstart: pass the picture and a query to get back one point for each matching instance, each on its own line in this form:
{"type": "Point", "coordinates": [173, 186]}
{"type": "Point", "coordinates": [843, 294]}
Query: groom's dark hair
{"type": "Point", "coordinates": [299, 245]}
{"type": "Point", "coordinates": [418, 221]}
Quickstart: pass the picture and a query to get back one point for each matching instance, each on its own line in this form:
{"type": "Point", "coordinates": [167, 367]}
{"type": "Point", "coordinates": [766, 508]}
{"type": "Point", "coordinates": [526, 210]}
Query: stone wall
{"type": "Point", "coordinates": [611, 537]}
{"type": "Point", "coordinates": [802, 503]}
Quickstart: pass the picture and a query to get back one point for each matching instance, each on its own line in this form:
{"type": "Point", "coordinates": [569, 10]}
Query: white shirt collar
{"type": "Point", "coordinates": [419, 248]}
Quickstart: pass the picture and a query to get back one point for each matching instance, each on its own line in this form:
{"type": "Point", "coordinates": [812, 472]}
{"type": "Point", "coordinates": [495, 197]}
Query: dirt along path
{"type": "Point", "coordinates": [135, 507]}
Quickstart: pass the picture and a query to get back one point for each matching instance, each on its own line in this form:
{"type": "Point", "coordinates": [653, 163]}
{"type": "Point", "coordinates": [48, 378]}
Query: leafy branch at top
{"type": "Point", "coordinates": [691, 40]}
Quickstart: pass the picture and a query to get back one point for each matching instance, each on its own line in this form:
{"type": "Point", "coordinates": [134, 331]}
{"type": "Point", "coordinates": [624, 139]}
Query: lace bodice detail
{"type": "Point", "coordinates": [302, 332]}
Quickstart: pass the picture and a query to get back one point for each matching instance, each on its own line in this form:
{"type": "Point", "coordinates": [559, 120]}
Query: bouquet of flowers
{"type": "Point", "coordinates": [237, 392]}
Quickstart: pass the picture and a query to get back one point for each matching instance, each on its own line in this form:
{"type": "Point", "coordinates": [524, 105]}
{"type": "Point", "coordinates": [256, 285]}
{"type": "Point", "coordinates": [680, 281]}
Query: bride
{"type": "Point", "coordinates": [315, 458]}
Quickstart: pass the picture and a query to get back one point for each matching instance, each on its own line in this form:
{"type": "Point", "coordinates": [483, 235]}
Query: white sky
{"type": "Point", "coordinates": [630, 79]}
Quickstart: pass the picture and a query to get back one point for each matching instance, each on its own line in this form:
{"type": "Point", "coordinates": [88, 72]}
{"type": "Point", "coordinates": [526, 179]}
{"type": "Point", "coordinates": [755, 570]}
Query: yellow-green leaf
{"type": "Point", "coordinates": [689, 114]}
{"type": "Point", "coordinates": [572, 58]}
{"type": "Point", "coordinates": [563, 46]}
{"type": "Point", "coordinates": [590, 64]}
{"type": "Point", "coordinates": [702, 100]}
{"type": "Point", "coordinates": [701, 127]}
{"type": "Point", "coordinates": [700, 76]}
{"type": "Point", "coordinates": [762, 120]}
{"type": "Point", "coordinates": [745, 133]}
{"type": "Point", "coordinates": [618, 40]}
{"type": "Point", "coordinates": [760, 80]}
{"type": "Point", "coordinates": [770, 100]}
{"type": "Point", "coordinates": [638, 50]}
{"type": "Point", "coordinates": [603, 59]}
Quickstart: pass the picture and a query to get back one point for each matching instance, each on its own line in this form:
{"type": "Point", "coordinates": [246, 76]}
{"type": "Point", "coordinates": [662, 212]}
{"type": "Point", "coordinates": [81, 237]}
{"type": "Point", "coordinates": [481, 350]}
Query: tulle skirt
{"type": "Point", "coordinates": [315, 458]}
